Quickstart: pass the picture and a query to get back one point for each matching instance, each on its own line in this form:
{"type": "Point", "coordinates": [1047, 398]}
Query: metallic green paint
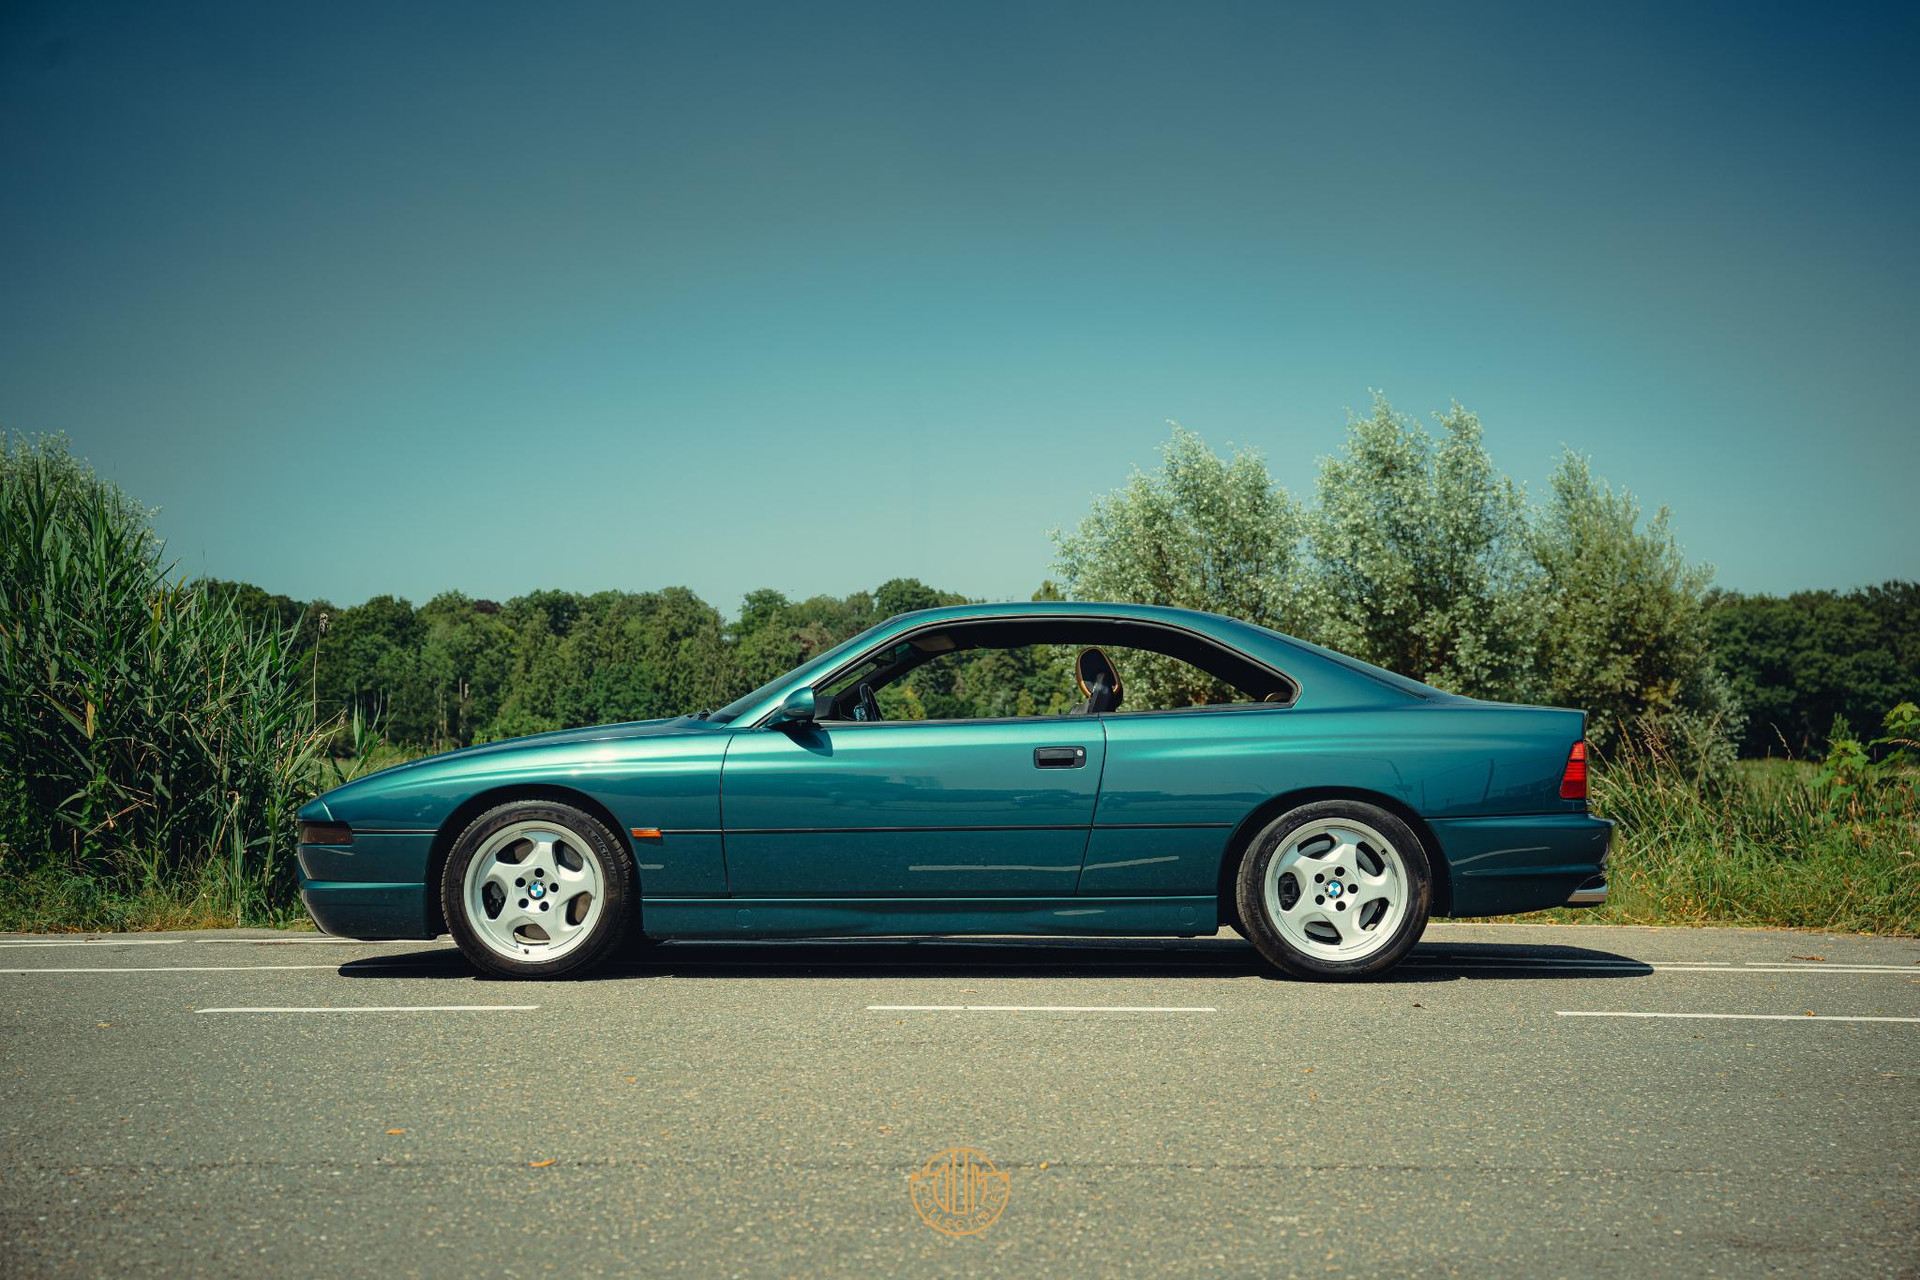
{"type": "Point", "coordinates": [913, 808]}
{"type": "Point", "coordinates": [882, 917]}
{"type": "Point", "coordinates": [957, 826]}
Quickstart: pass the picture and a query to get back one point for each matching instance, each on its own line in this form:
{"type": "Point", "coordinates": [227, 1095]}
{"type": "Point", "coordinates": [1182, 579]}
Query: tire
{"type": "Point", "coordinates": [498, 891]}
{"type": "Point", "coordinates": [1336, 853]}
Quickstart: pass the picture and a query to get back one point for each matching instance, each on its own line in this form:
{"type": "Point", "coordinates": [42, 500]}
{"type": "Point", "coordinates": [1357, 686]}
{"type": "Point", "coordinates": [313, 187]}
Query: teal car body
{"type": "Point", "coordinates": [1122, 823]}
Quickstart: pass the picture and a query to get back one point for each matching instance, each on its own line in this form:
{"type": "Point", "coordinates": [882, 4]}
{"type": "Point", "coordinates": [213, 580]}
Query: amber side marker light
{"type": "Point", "coordinates": [646, 833]}
{"type": "Point", "coordinates": [325, 833]}
{"type": "Point", "coordinates": [1573, 782]}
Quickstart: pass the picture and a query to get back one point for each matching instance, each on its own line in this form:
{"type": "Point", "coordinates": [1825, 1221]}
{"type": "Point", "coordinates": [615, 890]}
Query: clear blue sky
{"type": "Point", "coordinates": [401, 297]}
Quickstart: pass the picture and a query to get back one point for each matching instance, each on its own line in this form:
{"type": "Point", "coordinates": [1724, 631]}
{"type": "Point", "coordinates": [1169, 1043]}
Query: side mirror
{"type": "Point", "coordinates": [797, 709]}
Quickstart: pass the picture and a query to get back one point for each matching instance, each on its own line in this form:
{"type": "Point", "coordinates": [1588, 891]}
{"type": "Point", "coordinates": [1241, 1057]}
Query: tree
{"type": "Point", "coordinates": [464, 660]}
{"type": "Point", "coordinates": [1420, 555]}
{"type": "Point", "coordinates": [1796, 663]}
{"type": "Point", "coordinates": [909, 595]}
{"type": "Point", "coordinates": [1198, 532]}
{"type": "Point", "coordinates": [370, 662]}
{"type": "Point", "coordinates": [1626, 633]}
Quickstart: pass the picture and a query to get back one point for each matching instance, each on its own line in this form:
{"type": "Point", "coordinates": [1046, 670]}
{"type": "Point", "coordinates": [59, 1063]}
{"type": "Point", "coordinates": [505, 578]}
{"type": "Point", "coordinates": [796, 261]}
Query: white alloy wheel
{"type": "Point", "coordinates": [534, 890]}
{"type": "Point", "coordinates": [1337, 890]}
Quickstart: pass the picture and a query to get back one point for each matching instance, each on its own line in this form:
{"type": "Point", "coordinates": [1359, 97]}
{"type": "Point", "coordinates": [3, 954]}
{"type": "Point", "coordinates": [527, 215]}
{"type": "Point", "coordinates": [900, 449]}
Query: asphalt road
{"type": "Point", "coordinates": [746, 1109]}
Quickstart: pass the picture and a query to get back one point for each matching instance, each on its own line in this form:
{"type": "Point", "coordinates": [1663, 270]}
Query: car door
{"type": "Point", "coordinates": [926, 808]}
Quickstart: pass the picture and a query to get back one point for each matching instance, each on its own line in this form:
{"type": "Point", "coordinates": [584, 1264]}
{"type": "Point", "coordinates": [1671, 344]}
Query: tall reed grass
{"type": "Point", "coordinates": [154, 744]}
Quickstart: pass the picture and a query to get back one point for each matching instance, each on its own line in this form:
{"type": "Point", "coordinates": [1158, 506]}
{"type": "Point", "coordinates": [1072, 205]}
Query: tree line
{"type": "Point", "coordinates": [1415, 553]}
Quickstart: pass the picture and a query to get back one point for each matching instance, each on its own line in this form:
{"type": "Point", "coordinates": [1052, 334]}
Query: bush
{"type": "Point", "coordinates": [150, 734]}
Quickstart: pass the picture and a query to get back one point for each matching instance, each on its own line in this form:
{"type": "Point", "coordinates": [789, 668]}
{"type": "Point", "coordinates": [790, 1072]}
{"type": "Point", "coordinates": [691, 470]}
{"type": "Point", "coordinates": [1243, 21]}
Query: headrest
{"type": "Point", "coordinates": [1094, 664]}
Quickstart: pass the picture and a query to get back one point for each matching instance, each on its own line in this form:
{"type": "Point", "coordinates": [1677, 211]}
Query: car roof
{"type": "Point", "coordinates": [1068, 609]}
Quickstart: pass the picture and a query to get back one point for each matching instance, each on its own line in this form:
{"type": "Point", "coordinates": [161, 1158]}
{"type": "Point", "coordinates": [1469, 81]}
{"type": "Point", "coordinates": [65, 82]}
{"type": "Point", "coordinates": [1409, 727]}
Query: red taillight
{"type": "Point", "coordinates": [1573, 783]}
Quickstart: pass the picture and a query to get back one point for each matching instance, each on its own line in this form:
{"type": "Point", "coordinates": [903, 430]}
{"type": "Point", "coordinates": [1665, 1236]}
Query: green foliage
{"type": "Point", "coordinates": [624, 657]}
{"type": "Point", "coordinates": [457, 670]}
{"type": "Point", "coordinates": [1902, 737]}
{"type": "Point", "coordinates": [150, 732]}
{"type": "Point", "coordinates": [1762, 843]}
{"type": "Point", "coordinates": [1847, 766]}
{"type": "Point", "coordinates": [1198, 532]}
{"type": "Point", "coordinates": [1420, 556]}
{"type": "Point", "coordinates": [1624, 630]}
{"type": "Point", "coordinates": [1796, 662]}
{"type": "Point", "coordinates": [1852, 768]}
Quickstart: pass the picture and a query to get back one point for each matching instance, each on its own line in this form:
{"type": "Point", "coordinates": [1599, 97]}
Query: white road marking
{"type": "Point", "coordinates": [212, 968]}
{"type": "Point", "coordinates": [1657, 966]}
{"type": "Point", "coordinates": [1839, 964]}
{"type": "Point", "coordinates": [211, 942]}
{"type": "Point", "coordinates": [1039, 1008]}
{"type": "Point", "coordinates": [1739, 1017]}
{"type": "Point", "coordinates": [377, 1008]}
{"type": "Point", "coordinates": [104, 942]}
{"type": "Point", "coordinates": [1783, 968]}
{"type": "Point", "coordinates": [320, 941]}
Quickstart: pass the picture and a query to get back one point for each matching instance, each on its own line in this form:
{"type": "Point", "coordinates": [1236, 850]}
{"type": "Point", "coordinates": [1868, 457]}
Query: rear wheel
{"type": "Point", "coordinates": [1334, 889]}
{"type": "Point", "coordinates": [538, 889]}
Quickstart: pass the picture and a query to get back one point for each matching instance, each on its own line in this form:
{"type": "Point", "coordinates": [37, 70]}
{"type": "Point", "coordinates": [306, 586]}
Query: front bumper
{"type": "Point", "coordinates": [368, 912]}
{"type": "Point", "coordinates": [374, 888]}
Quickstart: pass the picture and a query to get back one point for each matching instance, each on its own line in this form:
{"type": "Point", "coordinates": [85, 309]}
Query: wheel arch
{"type": "Point", "coordinates": [475, 805]}
{"type": "Point", "coordinates": [1265, 812]}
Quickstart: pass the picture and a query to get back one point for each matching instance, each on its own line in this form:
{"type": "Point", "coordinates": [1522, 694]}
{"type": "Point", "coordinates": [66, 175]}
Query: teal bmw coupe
{"type": "Point", "coordinates": [1193, 771]}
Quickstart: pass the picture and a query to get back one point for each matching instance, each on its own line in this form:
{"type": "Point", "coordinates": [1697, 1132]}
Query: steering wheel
{"type": "Point", "coordinates": [865, 706]}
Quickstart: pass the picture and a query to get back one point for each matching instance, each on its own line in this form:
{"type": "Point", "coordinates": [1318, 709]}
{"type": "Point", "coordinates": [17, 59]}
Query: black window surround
{"type": "Point", "coordinates": [1225, 664]}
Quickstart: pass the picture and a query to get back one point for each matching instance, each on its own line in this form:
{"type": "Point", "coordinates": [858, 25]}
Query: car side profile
{"type": "Point", "coordinates": [1322, 807]}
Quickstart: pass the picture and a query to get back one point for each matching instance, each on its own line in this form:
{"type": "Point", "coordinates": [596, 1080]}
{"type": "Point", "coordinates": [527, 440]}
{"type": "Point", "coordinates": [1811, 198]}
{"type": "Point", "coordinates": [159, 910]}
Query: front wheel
{"type": "Point", "coordinates": [1334, 889]}
{"type": "Point", "coordinates": [537, 889]}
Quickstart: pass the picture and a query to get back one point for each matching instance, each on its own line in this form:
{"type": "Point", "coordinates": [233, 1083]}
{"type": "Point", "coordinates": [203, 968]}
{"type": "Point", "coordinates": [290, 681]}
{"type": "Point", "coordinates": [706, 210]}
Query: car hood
{"type": "Point", "coordinates": [567, 737]}
{"type": "Point", "coordinates": [407, 774]}
{"type": "Point", "coordinates": [562, 737]}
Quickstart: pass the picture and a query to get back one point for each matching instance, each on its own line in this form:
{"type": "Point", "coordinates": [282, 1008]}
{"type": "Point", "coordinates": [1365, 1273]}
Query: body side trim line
{"type": "Point", "coordinates": [1068, 826]}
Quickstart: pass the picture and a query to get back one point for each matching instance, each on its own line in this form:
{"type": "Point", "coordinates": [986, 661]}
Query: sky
{"type": "Point", "coordinates": [397, 298]}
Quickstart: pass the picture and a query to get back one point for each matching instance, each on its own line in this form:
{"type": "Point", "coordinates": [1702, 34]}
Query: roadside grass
{"type": "Point", "coordinates": [1770, 844]}
{"type": "Point", "coordinates": [51, 901]}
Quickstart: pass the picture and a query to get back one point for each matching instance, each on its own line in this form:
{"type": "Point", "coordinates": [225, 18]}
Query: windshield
{"type": "Point", "coordinates": [812, 666]}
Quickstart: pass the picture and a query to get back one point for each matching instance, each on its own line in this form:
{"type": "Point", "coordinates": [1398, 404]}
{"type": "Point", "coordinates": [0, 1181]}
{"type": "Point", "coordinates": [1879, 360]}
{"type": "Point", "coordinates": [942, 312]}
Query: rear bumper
{"type": "Point", "coordinates": [1503, 866]}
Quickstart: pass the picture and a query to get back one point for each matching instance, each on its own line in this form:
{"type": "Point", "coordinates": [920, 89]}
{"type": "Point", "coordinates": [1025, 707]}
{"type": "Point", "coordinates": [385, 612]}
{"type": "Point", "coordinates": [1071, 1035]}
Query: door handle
{"type": "Point", "coordinates": [1059, 757]}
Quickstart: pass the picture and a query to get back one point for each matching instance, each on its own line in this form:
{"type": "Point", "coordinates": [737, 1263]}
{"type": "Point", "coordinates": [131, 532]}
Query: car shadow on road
{"type": "Point", "coordinates": [1218, 957]}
